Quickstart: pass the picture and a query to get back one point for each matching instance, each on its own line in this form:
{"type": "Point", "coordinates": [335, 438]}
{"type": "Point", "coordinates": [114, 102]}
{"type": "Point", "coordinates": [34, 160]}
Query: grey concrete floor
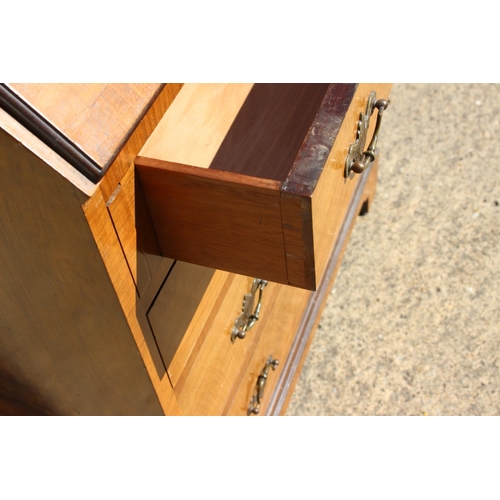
{"type": "Point", "coordinates": [412, 324]}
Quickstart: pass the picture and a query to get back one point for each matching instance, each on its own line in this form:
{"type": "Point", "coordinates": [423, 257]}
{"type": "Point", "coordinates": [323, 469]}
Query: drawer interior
{"type": "Point", "coordinates": [266, 135]}
{"type": "Point", "coordinates": [256, 130]}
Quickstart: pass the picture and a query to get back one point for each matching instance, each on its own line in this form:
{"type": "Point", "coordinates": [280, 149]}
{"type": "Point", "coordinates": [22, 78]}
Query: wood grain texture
{"type": "Point", "coordinates": [208, 216]}
{"type": "Point", "coordinates": [130, 217]}
{"type": "Point", "coordinates": [316, 195]}
{"type": "Point", "coordinates": [332, 194]}
{"type": "Point", "coordinates": [45, 153]}
{"type": "Point", "coordinates": [269, 129]}
{"type": "Point", "coordinates": [199, 326]}
{"type": "Point", "coordinates": [47, 133]}
{"type": "Point", "coordinates": [96, 117]}
{"type": "Point", "coordinates": [255, 130]}
{"type": "Point", "coordinates": [320, 139]}
{"type": "Point", "coordinates": [214, 377]}
{"type": "Point", "coordinates": [196, 123]}
{"type": "Point", "coordinates": [281, 327]}
{"type": "Point", "coordinates": [79, 121]}
{"type": "Point", "coordinates": [65, 346]}
{"type": "Point", "coordinates": [130, 149]}
{"type": "Point", "coordinates": [302, 180]}
{"type": "Point", "coordinates": [293, 321]}
{"type": "Point", "coordinates": [21, 398]}
{"type": "Point", "coordinates": [296, 217]}
{"type": "Point", "coordinates": [215, 219]}
{"type": "Point", "coordinates": [112, 255]}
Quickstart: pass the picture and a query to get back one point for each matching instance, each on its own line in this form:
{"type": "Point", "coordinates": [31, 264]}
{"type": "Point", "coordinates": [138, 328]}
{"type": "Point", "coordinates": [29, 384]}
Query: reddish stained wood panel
{"type": "Point", "coordinates": [298, 240]}
{"type": "Point", "coordinates": [216, 219]}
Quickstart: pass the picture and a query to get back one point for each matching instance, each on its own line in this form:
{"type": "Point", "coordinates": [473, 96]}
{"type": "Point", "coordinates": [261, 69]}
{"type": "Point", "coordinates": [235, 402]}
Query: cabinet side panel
{"type": "Point", "coordinates": [133, 308]}
{"type": "Point", "coordinates": [63, 337]}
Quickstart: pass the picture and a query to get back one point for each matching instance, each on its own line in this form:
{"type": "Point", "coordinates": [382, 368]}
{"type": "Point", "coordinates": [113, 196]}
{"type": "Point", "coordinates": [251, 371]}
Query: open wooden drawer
{"type": "Point", "coordinates": [250, 178]}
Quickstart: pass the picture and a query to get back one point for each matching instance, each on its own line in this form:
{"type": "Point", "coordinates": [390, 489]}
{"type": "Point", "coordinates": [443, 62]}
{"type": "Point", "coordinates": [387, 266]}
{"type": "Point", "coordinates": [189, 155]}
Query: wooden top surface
{"type": "Point", "coordinates": [95, 119]}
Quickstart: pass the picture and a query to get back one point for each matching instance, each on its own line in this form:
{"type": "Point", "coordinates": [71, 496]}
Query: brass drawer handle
{"type": "Point", "coordinates": [247, 318]}
{"type": "Point", "coordinates": [254, 407]}
{"type": "Point", "coordinates": [358, 161]}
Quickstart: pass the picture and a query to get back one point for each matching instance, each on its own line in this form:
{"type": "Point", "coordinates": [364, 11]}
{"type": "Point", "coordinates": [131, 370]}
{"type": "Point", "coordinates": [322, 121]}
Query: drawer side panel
{"type": "Point", "coordinates": [215, 219]}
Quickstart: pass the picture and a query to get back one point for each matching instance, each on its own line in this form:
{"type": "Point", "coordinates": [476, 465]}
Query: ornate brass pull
{"type": "Point", "coordinates": [254, 407]}
{"type": "Point", "coordinates": [358, 161]}
{"type": "Point", "coordinates": [247, 318]}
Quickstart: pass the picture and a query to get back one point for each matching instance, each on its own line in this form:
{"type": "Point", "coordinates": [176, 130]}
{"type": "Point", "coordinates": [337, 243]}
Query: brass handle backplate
{"type": "Point", "coordinates": [357, 160]}
{"type": "Point", "coordinates": [254, 406]}
{"type": "Point", "coordinates": [249, 316]}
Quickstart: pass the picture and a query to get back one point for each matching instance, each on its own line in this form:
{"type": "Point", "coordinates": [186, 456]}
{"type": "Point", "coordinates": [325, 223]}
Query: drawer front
{"type": "Point", "coordinates": [333, 193]}
{"type": "Point", "coordinates": [274, 344]}
{"type": "Point", "coordinates": [313, 207]}
{"type": "Point", "coordinates": [208, 385]}
{"type": "Point", "coordinates": [228, 212]}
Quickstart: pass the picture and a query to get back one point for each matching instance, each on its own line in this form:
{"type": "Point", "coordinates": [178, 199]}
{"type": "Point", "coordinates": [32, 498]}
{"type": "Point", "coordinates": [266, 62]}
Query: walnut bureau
{"type": "Point", "coordinates": [167, 249]}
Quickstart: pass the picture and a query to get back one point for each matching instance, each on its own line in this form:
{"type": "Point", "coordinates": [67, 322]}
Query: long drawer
{"type": "Point", "coordinates": [264, 369]}
{"type": "Point", "coordinates": [206, 324]}
{"type": "Point", "coordinates": [214, 377]}
{"type": "Point", "coordinates": [251, 178]}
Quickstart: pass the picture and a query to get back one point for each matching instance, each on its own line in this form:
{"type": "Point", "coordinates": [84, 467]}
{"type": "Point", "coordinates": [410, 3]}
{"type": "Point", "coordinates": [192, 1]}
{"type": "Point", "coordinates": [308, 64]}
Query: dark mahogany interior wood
{"type": "Point", "coordinates": [269, 129]}
{"type": "Point", "coordinates": [318, 143]}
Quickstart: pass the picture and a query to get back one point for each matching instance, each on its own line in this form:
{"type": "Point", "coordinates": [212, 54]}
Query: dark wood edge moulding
{"type": "Point", "coordinates": [13, 104]}
{"type": "Point", "coordinates": [314, 151]}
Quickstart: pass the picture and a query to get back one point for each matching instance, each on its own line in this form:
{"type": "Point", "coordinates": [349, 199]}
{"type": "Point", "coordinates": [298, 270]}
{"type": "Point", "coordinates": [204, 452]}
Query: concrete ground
{"type": "Point", "coordinates": [412, 324]}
